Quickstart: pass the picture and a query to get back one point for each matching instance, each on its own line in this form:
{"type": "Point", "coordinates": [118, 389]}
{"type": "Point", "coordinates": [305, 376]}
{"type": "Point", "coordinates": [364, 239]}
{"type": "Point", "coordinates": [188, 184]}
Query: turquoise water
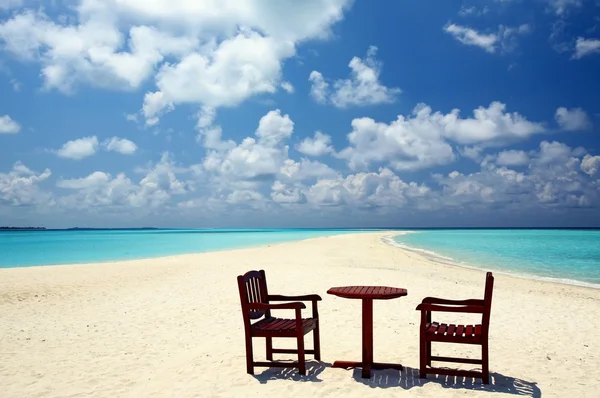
{"type": "Point", "coordinates": [29, 248]}
{"type": "Point", "coordinates": [568, 255]}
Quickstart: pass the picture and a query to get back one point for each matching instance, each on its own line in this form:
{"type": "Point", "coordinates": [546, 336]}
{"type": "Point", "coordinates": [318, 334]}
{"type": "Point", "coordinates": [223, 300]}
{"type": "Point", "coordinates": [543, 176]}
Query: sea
{"type": "Point", "coordinates": [25, 248]}
{"type": "Point", "coordinates": [564, 255]}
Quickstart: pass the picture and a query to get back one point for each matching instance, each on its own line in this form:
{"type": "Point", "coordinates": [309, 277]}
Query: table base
{"type": "Point", "coordinates": [366, 370]}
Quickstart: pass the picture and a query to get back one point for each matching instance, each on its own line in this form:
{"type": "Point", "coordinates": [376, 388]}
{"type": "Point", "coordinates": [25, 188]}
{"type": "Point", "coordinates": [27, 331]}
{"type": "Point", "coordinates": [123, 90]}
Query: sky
{"type": "Point", "coordinates": [283, 113]}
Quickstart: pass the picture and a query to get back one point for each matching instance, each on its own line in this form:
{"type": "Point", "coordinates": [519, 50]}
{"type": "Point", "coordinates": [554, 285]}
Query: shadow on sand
{"type": "Point", "coordinates": [409, 378]}
{"type": "Point", "coordinates": [313, 370]}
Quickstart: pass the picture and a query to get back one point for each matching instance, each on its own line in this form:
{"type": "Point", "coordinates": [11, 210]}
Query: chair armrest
{"type": "Point", "coordinates": [474, 309]}
{"type": "Point", "coordinates": [285, 306]}
{"type": "Point", "coordinates": [435, 300]}
{"type": "Point", "coordinates": [307, 297]}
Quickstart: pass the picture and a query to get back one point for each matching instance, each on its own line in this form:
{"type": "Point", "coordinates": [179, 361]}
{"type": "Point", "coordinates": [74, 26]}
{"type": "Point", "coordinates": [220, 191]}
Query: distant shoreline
{"type": "Point", "coordinates": [22, 228]}
{"type": "Point", "coordinates": [292, 228]}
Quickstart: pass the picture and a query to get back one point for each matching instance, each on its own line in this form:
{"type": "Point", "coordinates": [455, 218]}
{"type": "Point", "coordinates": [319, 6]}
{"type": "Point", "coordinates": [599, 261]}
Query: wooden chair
{"type": "Point", "coordinates": [463, 334]}
{"type": "Point", "coordinates": [256, 306]}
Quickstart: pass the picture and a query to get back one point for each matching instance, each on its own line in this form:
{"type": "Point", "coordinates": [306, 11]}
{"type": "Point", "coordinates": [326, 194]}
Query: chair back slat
{"type": "Point", "coordinates": [253, 289]}
{"type": "Point", "coordinates": [487, 300]}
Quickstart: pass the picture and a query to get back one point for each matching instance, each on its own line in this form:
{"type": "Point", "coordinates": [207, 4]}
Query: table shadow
{"type": "Point", "coordinates": [409, 378]}
{"type": "Point", "coordinates": [313, 370]}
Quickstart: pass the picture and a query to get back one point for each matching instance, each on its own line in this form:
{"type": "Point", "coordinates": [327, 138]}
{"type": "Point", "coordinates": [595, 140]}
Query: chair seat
{"type": "Point", "coordinates": [282, 326]}
{"type": "Point", "coordinates": [435, 331]}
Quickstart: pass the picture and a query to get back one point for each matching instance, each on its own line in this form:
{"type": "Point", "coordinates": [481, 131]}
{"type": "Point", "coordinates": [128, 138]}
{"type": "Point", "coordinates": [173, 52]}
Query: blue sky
{"type": "Point", "coordinates": [299, 114]}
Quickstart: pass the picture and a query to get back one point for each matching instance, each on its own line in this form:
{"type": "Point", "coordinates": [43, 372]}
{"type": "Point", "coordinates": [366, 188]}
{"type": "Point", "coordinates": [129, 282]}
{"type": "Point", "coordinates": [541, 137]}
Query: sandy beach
{"type": "Point", "coordinates": [172, 327]}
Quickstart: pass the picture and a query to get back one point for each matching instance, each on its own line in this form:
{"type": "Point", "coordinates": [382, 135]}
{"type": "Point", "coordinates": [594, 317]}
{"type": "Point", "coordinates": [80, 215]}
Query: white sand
{"type": "Point", "coordinates": [172, 327]}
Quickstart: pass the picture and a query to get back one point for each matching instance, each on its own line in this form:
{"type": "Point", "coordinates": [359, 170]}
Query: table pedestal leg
{"type": "Point", "coordinates": [367, 337]}
{"type": "Point", "coordinates": [367, 346]}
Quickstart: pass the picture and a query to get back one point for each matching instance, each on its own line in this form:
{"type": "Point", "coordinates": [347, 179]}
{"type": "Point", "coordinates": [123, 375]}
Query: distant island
{"type": "Point", "coordinates": [72, 229]}
{"type": "Point", "coordinates": [26, 228]}
{"type": "Point", "coordinates": [105, 229]}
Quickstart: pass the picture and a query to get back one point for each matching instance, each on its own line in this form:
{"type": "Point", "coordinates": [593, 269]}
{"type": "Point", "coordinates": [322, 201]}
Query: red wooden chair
{"type": "Point", "coordinates": [463, 334]}
{"type": "Point", "coordinates": [256, 306]}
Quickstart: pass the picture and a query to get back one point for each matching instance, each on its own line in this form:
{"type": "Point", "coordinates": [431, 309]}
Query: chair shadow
{"type": "Point", "coordinates": [313, 370]}
{"type": "Point", "coordinates": [409, 378]}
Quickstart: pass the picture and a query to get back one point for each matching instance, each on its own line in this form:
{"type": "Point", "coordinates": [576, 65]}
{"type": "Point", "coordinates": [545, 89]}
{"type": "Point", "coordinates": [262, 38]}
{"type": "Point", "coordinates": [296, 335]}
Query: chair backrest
{"type": "Point", "coordinates": [487, 300]}
{"type": "Point", "coordinates": [253, 289]}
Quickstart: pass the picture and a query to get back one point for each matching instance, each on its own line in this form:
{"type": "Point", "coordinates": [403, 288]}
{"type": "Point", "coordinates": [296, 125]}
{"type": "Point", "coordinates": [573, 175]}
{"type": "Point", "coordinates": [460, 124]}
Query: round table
{"type": "Point", "coordinates": [367, 294]}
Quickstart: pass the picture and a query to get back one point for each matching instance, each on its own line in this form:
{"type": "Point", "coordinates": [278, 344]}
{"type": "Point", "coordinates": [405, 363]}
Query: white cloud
{"type": "Point", "coordinates": [79, 149]}
{"type": "Point", "coordinates": [16, 85]}
{"type": "Point", "coordinates": [319, 88]}
{"type": "Point", "coordinates": [20, 187]}
{"type": "Point", "coordinates": [561, 7]}
{"type": "Point", "coordinates": [131, 117]}
{"type": "Point", "coordinates": [584, 47]}
{"type": "Point", "coordinates": [244, 197]}
{"type": "Point", "coordinates": [473, 11]}
{"type": "Point", "coordinates": [473, 152]}
{"type": "Point", "coordinates": [92, 180]}
{"type": "Point", "coordinates": [257, 176]}
{"type": "Point", "coordinates": [362, 88]}
{"type": "Point", "coordinates": [85, 147]}
{"type": "Point", "coordinates": [572, 119]}
{"type": "Point", "coordinates": [489, 126]}
{"type": "Point", "coordinates": [89, 52]}
{"type": "Point", "coordinates": [464, 10]}
{"type": "Point", "coordinates": [284, 194]}
{"type": "Point", "coordinates": [102, 189]}
{"type": "Point", "coordinates": [8, 125]}
{"type": "Point", "coordinates": [365, 190]}
{"type": "Point", "coordinates": [121, 145]}
{"type": "Point", "coordinates": [553, 179]}
{"type": "Point", "coordinates": [162, 177]}
{"type": "Point", "coordinates": [288, 87]}
{"type": "Point", "coordinates": [237, 69]}
{"type": "Point", "coordinates": [471, 37]}
{"type": "Point", "coordinates": [508, 36]}
{"type": "Point", "coordinates": [206, 117]}
{"type": "Point", "coordinates": [99, 189]}
{"type": "Point", "coordinates": [208, 133]}
{"type": "Point", "coordinates": [292, 171]}
{"type": "Point", "coordinates": [155, 104]}
{"type": "Point", "coordinates": [273, 128]}
{"type": "Point", "coordinates": [207, 53]}
{"type": "Point", "coordinates": [248, 160]}
{"type": "Point", "coordinates": [253, 158]}
{"type": "Point", "coordinates": [590, 164]}
{"type": "Point", "coordinates": [422, 139]}
{"type": "Point", "coordinates": [318, 145]}
{"type": "Point", "coordinates": [504, 39]}
{"type": "Point", "coordinates": [405, 144]}
{"type": "Point", "coordinates": [512, 158]}
{"type": "Point", "coordinates": [234, 173]}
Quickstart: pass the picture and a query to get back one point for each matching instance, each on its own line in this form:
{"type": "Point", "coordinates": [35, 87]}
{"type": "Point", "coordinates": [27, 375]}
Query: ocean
{"type": "Point", "coordinates": [564, 255]}
{"type": "Point", "coordinates": [570, 256]}
{"type": "Point", "coordinates": [51, 247]}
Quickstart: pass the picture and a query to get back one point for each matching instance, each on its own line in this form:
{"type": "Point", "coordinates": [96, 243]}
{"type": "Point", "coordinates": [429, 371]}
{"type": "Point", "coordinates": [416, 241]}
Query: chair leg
{"type": "Point", "coordinates": [249, 356]}
{"type": "Point", "coordinates": [429, 353]}
{"type": "Point", "coordinates": [317, 342]}
{"type": "Point", "coordinates": [423, 356]}
{"type": "Point", "coordinates": [485, 366]}
{"type": "Point", "coordinates": [269, 348]}
{"type": "Point", "coordinates": [301, 356]}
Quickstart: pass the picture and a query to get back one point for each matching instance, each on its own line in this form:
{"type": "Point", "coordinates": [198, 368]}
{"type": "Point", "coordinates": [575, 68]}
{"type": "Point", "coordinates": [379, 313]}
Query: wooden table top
{"type": "Point", "coordinates": [368, 292]}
